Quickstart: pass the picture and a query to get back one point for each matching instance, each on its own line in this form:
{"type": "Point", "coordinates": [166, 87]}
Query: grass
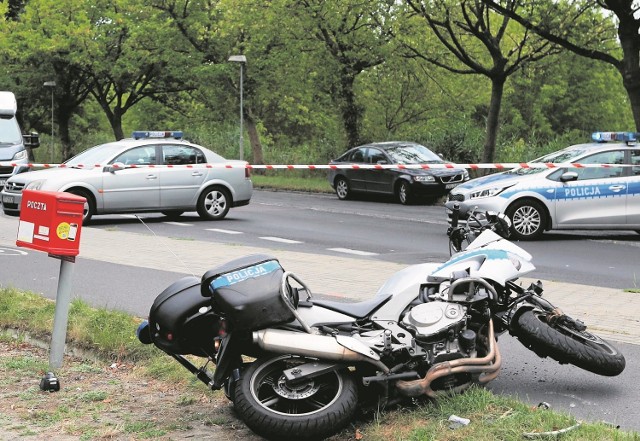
{"type": "Point", "coordinates": [293, 180]}
{"type": "Point", "coordinates": [109, 334]}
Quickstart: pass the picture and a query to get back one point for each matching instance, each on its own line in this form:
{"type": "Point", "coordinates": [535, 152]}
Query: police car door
{"type": "Point", "coordinates": [633, 192]}
{"type": "Point", "coordinates": [598, 197]}
{"type": "Point", "coordinates": [135, 186]}
{"type": "Point", "coordinates": [182, 179]}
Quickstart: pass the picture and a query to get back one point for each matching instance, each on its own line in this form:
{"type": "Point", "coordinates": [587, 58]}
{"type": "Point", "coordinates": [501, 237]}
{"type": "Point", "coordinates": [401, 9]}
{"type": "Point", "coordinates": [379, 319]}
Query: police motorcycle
{"type": "Point", "coordinates": [297, 367]}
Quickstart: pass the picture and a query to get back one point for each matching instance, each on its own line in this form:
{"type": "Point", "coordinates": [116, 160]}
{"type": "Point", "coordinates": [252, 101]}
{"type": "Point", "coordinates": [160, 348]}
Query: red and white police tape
{"type": "Point", "coordinates": [498, 166]}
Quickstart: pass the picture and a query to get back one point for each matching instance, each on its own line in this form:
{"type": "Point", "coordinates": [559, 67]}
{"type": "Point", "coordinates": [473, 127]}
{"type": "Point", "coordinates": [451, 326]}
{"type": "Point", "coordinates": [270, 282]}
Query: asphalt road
{"type": "Point", "coordinates": [385, 230]}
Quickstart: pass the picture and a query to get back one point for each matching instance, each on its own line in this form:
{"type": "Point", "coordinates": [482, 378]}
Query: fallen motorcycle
{"type": "Point", "coordinates": [297, 367]}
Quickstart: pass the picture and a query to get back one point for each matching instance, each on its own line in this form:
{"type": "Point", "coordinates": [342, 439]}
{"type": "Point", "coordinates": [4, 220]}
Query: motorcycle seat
{"type": "Point", "coordinates": [357, 310]}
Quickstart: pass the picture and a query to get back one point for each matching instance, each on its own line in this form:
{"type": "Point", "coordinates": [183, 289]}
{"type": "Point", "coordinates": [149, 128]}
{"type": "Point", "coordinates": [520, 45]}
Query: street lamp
{"type": "Point", "coordinates": [242, 60]}
{"type": "Point", "coordinates": [52, 85]}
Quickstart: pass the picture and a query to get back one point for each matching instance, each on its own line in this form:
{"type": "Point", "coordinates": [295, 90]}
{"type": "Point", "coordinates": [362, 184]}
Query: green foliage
{"type": "Point", "coordinates": [160, 65]}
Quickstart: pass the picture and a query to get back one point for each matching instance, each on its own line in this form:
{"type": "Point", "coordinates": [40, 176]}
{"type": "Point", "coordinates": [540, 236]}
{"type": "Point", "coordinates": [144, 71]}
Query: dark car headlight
{"type": "Point", "coordinates": [424, 178]}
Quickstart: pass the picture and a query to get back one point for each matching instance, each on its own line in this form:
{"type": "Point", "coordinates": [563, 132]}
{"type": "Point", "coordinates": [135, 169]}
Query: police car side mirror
{"type": "Point", "coordinates": [112, 168]}
{"type": "Point", "coordinates": [569, 176]}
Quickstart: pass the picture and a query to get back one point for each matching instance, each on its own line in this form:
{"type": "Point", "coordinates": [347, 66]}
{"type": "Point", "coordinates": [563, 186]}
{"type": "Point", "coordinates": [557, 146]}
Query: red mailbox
{"type": "Point", "coordinates": [51, 221]}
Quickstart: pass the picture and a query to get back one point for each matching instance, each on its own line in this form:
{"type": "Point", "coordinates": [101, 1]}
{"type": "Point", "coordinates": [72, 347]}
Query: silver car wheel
{"type": "Point", "coordinates": [214, 203]}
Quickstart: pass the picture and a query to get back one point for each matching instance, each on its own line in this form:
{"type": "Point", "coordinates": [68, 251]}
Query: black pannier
{"type": "Point", "coordinates": [247, 291]}
{"type": "Point", "coordinates": [181, 321]}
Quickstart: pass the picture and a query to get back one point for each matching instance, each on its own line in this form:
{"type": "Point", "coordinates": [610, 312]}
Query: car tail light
{"type": "Point", "coordinates": [247, 172]}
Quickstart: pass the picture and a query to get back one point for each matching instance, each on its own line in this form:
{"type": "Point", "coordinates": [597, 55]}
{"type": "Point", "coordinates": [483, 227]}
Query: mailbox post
{"type": "Point", "coordinates": [52, 222]}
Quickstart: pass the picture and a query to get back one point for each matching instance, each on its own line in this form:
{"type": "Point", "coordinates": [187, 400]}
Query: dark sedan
{"type": "Point", "coordinates": [407, 184]}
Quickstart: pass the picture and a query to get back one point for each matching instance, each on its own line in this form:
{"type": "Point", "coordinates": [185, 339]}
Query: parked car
{"type": "Point", "coordinates": [407, 184]}
{"type": "Point", "coordinates": [134, 175]}
{"type": "Point", "coordinates": [544, 198]}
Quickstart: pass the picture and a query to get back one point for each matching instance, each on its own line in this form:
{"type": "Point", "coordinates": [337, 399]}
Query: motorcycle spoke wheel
{"type": "Point", "coordinates": [277, 409]}
{"type": "Point", "coordinates": [567, 345]}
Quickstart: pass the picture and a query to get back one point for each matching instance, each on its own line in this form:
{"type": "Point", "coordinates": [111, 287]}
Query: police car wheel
{"type": "Point", "coordinates": [528, 219]}
{"type": "Point", "coordinates": [89, 206]}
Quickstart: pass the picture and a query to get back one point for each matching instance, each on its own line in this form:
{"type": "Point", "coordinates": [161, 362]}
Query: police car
{"type": "Point", "coordinates": [153, 171]}
{"type": "Point", "coordinates": [545, 197]}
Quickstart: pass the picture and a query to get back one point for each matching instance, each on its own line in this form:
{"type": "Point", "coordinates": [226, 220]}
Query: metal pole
{"type": "Point", "coordinates": [61, 315]}
{"type": "Point", "coordinates": [52, 125]}
{"type": "Point", "coordinates": [241, 115]}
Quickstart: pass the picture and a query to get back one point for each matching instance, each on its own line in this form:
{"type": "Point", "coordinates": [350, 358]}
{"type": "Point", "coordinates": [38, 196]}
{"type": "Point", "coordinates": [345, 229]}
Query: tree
{"type": "Point", "coordinates": [586, 28]}
{"type": "Point", "coordinates": [481, 44]}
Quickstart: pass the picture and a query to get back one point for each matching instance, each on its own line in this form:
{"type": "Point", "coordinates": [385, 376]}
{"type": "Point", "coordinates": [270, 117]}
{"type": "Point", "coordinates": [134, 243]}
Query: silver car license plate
{"type": "Point", "coordinates": [7, 199]}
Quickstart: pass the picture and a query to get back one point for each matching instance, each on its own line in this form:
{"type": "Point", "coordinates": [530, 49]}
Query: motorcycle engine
{"type": "Point", "coordinates": [440, 328]}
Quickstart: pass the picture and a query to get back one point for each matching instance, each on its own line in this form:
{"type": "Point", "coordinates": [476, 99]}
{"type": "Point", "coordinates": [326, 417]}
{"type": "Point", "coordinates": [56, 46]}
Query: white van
{"type": "Point", "coordinates": [12, 142]}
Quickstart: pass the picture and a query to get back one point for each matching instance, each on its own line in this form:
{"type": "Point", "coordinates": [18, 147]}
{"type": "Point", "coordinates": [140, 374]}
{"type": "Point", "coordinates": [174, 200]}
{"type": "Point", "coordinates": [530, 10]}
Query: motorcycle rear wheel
{"type": "Point", "coordinates": [567, 345]}
{"type": "Point", "coordinates": [313, 409]}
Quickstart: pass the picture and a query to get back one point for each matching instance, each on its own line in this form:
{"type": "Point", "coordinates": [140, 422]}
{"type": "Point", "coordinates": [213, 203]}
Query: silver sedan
{"type": "Point", "coordinates": [150, 172]}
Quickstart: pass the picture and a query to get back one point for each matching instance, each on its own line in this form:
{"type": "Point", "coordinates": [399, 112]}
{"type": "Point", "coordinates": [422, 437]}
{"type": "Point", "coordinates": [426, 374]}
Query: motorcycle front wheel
{"type": "Point", "coordinates": [568, 345]}
{"type": "Point", "coordinates": [276, 409]}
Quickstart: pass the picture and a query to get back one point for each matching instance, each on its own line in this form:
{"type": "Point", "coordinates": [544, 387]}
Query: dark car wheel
{"type": "Point", "coordinates": [214, 203]}
{"type": "Point", "coordinates": [343, 191]}
{"type": "Point", "coordinates": [89, 206]}
{"type": "Point", "coordinates": [403, 192]}
{"type": "Point", "coordinates": [528, 219]}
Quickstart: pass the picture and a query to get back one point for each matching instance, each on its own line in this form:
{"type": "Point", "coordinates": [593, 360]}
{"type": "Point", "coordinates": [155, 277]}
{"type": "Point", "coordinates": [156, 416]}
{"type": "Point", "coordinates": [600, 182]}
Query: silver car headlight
{"type": "Point", "coordinates": [465, 174]}
{"type": "Point", "coordinates": [35, 185]}
{"type": "Point", "coordinates": [22, 154]}
{"type": "Point", "coordinates": [487, 193]}
{"type": "Point", "coordinates": [424, 178]}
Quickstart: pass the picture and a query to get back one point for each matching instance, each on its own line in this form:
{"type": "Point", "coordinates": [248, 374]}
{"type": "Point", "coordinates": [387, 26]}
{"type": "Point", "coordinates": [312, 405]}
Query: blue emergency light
{"type": "Point", "coordinates": [139, 134]}
{"type": "Point", "coordinates": [615, 136]}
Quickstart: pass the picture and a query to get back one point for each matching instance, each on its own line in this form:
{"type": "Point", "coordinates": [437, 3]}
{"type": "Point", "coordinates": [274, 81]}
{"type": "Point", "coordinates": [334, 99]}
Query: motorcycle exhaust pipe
{"type": "Point", "coordinates": [309, 345]}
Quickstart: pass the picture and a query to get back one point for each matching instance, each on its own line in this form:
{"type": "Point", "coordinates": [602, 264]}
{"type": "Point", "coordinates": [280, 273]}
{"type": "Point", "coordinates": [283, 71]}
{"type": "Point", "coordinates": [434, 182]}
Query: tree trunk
{"type": "Point", "coordinates": [254, 137]}
{"type": "Point", "coordinates": [629, 67]}
{"type": "Point", "coordinates": [493, 119]}
{"type": "Point", "coordinates": [115, 120]}
{"type": "Point", "coordinates": [65, 138]}
{"type": "Point", "coordinates": [351, 111]}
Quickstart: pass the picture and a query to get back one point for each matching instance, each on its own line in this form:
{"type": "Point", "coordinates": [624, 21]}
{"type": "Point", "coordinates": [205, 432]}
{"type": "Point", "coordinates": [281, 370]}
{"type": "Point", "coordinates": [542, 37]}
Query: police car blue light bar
{"type": "Point", "coordinates": [157, 134]}
{"type": "Point", "coordinates": [615, 136]}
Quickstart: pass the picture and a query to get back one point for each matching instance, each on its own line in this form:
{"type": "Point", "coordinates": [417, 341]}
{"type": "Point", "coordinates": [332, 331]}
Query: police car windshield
{"type": "Point", "coordinates": [413, 154]}
{"type": "Point", "coordinates": [566, 155]}
{"type": "Point", "coordinates": [100, 154]}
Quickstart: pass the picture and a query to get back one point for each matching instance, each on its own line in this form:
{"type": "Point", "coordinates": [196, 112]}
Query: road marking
{"type": "Point", "coordinates": [350, 251]}
{"type": "Point", "coordinates": [179, 224]}
{"type": "Point", "coordinates": [12, 252]}
{"type": "Point", "coordinates": [280, 239]}
{"type": "Point", "coordinates": [219, 230]}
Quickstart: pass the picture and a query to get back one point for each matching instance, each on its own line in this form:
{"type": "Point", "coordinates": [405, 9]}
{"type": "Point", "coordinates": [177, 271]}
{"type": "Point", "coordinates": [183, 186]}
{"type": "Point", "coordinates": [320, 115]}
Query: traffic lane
{"type": "Point", "coordinates": [569, 389]}
{"type": "Point", "coordinates": [100, 284]}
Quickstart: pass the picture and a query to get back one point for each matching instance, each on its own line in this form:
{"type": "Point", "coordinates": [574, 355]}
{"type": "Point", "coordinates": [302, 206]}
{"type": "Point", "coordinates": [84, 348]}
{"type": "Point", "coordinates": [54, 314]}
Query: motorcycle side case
{"type": "Point", "coordinates": [247, 290]}
{"type": "Point", "coordinates": [181, 321]}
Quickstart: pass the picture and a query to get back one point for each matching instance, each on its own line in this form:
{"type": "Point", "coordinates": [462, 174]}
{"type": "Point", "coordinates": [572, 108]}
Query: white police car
{"type": "Point", "coordinates": [604, 197]}
{"type": "Point", "coordinates": [149, 172]}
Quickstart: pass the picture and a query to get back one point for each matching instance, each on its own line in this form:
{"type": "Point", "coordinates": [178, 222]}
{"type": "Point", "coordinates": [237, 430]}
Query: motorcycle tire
{"type": "Point", "coordinates": [311, 410]}
{"type": "Point", "coordinates": [579, 348]}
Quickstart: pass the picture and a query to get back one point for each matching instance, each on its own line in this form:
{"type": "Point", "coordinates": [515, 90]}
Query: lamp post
{"type": "Point", "coordinates": [52, 85]}
{"type": "Point", "coordinates": [242, 60]}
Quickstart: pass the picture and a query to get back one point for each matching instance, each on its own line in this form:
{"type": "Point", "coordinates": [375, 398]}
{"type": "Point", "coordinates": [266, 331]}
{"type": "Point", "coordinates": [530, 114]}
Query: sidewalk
{"type": "Point", "coordinates": [611, 313]}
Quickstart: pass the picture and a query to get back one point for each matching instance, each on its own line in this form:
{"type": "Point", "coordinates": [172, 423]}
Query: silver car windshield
{"type": "Point", "coordinates": [413, 154]}
{"type": "Point", "coordinates": [100, 154]}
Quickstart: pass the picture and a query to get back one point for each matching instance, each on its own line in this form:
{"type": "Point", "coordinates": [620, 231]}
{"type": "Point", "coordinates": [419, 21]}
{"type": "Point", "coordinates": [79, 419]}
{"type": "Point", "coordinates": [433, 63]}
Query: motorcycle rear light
{"type": "Point", "coordinates": [169, 336]}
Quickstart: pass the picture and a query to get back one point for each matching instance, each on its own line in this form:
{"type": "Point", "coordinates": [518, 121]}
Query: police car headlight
{"type": "Point", "coordinates": [424, 178]}
{"type": "Point", "coordinates": [22, 154]}
{"type": "Point", "coordinates": [487, 193]}
{"type": "Point", "coordinates": [35, 185]}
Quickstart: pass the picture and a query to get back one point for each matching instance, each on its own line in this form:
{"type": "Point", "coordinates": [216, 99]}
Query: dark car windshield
{"type": "Point", "coordinates": [413, 154]}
